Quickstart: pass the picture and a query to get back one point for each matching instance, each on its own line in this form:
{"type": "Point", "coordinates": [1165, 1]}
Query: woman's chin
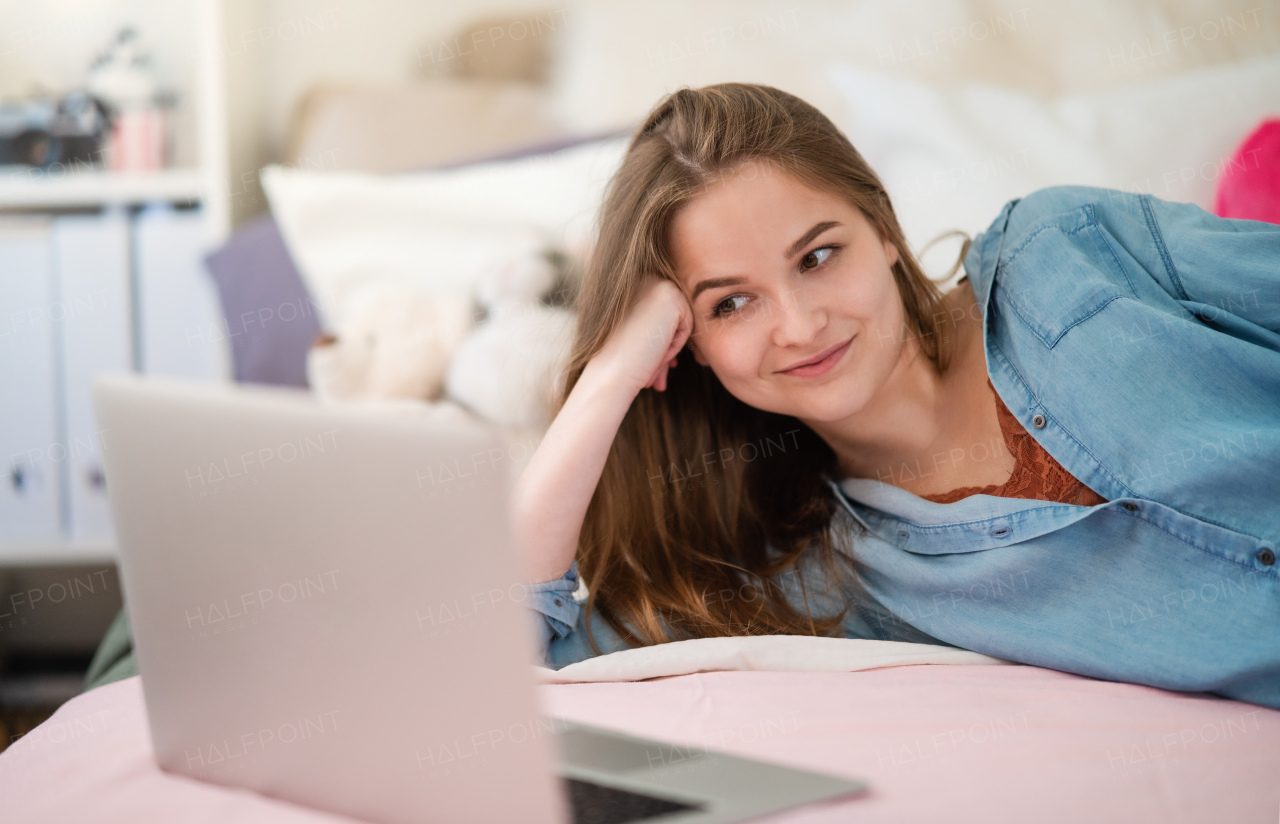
{"type": "Point", "coordinates": [813, 409]}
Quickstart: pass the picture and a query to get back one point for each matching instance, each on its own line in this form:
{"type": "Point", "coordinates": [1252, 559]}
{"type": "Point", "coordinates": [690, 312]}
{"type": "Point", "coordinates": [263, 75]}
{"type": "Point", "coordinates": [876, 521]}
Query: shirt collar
{"type": "Point", "coordinates": [977, 522]}
{"type": "Point", "coordinates": [980, 261]}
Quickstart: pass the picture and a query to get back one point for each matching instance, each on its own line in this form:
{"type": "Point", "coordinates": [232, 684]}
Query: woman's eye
{"type": "Point", "coordinates": [728, 306]}
{"type": "Point", "coordinates": [816, 258]}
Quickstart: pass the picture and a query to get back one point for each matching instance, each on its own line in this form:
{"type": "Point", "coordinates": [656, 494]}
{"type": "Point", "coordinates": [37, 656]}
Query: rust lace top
{"type": "Point", "coordinates": [1036, 474]}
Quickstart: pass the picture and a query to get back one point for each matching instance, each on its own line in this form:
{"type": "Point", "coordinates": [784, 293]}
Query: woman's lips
{"type": "Point", "coordinates": [819, 367]}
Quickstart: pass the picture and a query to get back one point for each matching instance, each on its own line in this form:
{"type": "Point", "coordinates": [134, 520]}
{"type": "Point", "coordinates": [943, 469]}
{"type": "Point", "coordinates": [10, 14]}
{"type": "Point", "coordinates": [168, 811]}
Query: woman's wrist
{"type": "Point", "coordinates": [602, 376]}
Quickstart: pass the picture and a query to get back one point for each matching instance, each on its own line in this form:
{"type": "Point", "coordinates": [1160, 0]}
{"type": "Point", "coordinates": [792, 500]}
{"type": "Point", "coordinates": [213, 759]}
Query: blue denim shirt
{"type": "Point", "coordinates": [1138, 341]}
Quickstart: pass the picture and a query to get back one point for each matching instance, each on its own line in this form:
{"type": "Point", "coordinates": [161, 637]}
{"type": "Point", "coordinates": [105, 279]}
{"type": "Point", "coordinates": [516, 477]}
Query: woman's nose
{"type": "Point", "coordinates": [798, 321]}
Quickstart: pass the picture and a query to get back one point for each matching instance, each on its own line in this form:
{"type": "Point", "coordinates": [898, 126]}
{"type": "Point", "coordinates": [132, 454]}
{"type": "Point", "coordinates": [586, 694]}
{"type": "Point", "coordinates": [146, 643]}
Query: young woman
{"type": "Point", "coordinates": [775, 423]}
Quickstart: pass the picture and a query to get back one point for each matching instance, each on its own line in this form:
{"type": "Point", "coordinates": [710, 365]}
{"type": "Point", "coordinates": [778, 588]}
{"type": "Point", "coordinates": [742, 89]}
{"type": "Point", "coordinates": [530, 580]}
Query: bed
{"type": "Point", "coordinates": [959, 742]}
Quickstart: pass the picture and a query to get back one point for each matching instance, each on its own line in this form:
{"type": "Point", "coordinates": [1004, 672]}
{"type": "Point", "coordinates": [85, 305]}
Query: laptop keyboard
{"type": "Point", "coordinates": [597, 804]}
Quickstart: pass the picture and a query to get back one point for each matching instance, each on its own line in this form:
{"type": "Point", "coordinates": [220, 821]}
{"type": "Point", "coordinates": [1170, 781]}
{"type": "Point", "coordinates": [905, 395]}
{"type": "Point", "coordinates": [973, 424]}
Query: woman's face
{"type": "Point", "coordinates": [794, 302]}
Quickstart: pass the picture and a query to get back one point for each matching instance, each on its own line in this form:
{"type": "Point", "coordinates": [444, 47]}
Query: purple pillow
{"type": "Point", "coordinates": [270, 317]}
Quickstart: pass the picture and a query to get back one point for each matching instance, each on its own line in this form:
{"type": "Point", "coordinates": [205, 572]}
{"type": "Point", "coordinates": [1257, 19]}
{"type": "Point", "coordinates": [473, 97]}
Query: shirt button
{"type": "Point", "coordinates": [558, 602]}
{"type": "Point", "coordinates": [1266, 556]}
{"type": "Point", "coordinates": [1130, 506]}
{"type": "Point", "coordinates": [1038, 421]}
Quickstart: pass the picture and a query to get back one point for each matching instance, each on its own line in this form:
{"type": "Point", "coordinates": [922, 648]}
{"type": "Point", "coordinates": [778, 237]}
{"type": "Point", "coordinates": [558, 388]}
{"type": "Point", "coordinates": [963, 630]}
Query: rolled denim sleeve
{"type": "Point", "coordinates": [565, 629]}
{"type": "Point", "coordinates": [554, 600]}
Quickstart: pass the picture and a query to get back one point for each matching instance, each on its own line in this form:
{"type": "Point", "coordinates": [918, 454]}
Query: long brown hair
{"type": "Point", "coordinates": [704, 499]}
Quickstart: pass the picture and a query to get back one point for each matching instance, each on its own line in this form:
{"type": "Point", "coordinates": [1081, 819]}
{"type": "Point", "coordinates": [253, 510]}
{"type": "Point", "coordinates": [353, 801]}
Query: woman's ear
{"type": "Point", "coordinates": [890, 253]}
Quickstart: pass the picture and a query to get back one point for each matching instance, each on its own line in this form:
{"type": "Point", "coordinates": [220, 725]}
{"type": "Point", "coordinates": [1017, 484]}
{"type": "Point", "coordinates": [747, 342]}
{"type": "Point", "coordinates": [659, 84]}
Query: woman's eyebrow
{"type": "Point", "coordinates": [817, 229]}
{"type": "Point", "coordinates": [712, 283]}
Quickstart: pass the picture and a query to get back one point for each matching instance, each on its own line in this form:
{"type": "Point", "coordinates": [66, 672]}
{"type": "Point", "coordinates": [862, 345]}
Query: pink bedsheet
{"type": "Point", "coordinates": [937, 743]}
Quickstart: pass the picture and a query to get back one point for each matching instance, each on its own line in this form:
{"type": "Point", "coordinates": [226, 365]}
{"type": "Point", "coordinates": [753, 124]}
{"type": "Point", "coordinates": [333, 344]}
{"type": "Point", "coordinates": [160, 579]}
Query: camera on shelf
{"type": "Point", "coordinates": [45, 132]}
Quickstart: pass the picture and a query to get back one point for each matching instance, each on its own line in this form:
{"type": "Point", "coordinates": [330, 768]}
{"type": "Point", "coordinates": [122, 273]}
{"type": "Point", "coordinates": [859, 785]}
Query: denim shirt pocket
{"type": "Point", "coordinates": [1062, 271]}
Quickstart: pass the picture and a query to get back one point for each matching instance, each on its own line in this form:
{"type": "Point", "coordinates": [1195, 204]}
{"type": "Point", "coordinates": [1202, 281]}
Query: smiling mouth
{"type": "Point", "coordinates": [820, 363]}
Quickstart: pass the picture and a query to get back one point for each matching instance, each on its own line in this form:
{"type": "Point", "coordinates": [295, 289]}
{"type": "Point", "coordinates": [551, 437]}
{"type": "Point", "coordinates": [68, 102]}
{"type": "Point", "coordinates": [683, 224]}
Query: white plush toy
{"type": "Point", "coordinates": [391, 345]}
{"type": "Point", "coordinates": [509, 367]}
{"type": "Point", "coordinates": [405, 347]}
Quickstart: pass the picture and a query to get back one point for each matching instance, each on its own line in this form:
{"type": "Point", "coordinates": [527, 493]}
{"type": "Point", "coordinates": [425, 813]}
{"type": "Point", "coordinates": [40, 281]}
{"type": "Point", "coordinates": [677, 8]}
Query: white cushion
{"type": "Point", "coordinates": [439, 232]}
{"type": "Point", "coordinates": [770, 653]}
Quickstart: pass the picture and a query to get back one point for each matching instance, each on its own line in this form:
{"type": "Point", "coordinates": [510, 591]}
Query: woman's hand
{"type": "Point", "coordinates": [644, 346]}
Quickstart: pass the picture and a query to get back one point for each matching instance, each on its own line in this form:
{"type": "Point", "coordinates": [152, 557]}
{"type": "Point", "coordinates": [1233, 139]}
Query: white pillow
{"type": "Point", "coordinates": [951, 157]}
{"type": "Point", "coordinates": [438, 232]}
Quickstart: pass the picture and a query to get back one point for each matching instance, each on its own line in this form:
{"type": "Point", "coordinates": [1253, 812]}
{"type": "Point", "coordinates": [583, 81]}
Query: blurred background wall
{"type": "Point", "coordinates": [276, 50]}
{"type": "Point", "coordinates": [273, 52]}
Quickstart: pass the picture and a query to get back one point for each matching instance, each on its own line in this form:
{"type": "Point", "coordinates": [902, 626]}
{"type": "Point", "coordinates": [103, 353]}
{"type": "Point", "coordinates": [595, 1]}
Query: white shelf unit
{"type": "Point", "coordinates": [23, 190]}
{"type": "Point", "coordinates": [206, 182]}
{"type": "Point", "coordinates": [34, 193]}
{"type": "Point", "coordinates": [60, 553]}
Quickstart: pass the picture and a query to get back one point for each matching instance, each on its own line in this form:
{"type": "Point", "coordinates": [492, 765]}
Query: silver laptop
{"type": "Point", "coordinates": [326, 608]}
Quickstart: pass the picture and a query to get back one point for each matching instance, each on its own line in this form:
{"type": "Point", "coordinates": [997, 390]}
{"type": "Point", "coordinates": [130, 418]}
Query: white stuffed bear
{"type": "Point", "coordinates": [392, 345]}
{"type": "Point", "coordinates": [509, 367]}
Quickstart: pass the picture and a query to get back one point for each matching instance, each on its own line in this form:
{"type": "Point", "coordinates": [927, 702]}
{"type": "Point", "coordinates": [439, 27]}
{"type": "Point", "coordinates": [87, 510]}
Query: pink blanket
{"type": "Point", "coordinates": [937, 743]}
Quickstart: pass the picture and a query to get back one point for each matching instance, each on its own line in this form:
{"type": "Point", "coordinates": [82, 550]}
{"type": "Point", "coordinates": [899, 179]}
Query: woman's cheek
{"type": "Point", "coordinates": [718, 350]}
{"type": "Point", "coordinates": [745, 354]}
